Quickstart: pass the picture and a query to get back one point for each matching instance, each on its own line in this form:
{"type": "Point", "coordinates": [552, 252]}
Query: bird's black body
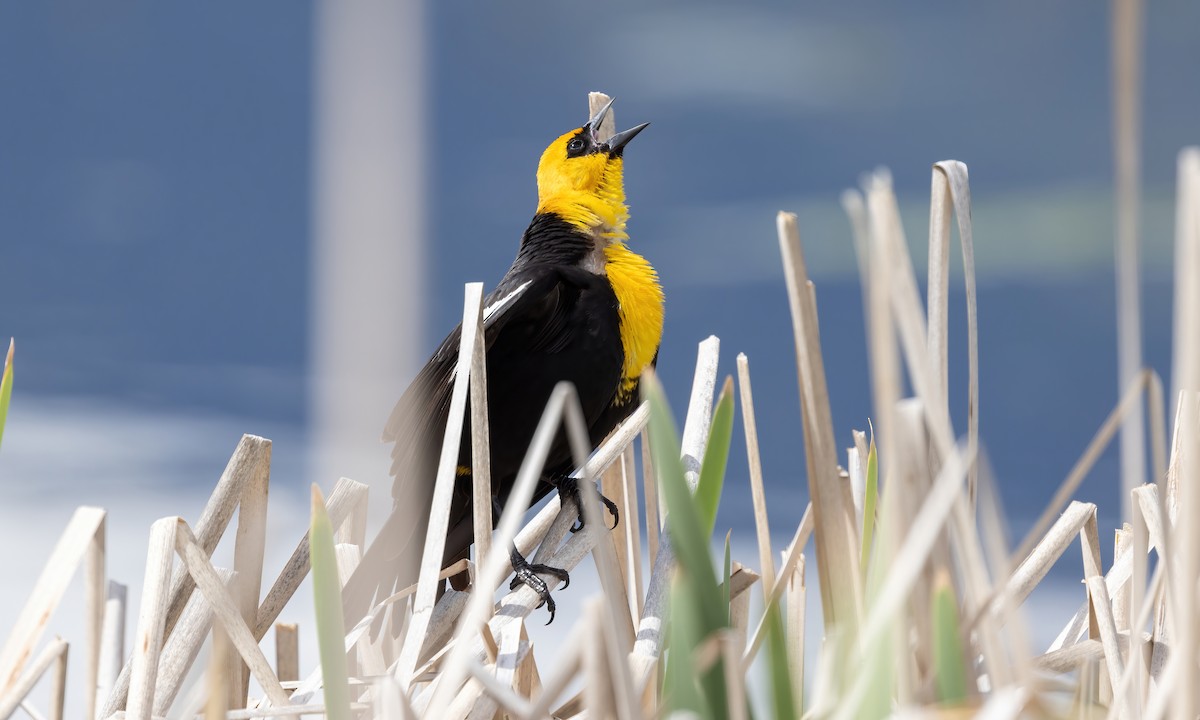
{"type": "Point", "coordinates": [576, 306]}
{"type": "Point", "coordinates": [553, 321]}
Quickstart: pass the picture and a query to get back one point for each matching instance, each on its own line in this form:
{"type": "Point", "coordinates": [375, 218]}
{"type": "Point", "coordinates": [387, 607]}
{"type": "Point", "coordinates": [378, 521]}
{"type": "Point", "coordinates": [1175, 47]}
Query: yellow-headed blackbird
{"type": "Point", "coordinates": [576, 305]}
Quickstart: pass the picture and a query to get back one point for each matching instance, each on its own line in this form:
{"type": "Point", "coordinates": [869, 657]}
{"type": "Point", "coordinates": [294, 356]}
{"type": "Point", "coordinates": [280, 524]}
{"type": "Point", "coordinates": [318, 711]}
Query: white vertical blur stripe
{"type": "Point", "coordinates": [368, 259]}
{"type": "Point", "coordinates": [1127, 33]}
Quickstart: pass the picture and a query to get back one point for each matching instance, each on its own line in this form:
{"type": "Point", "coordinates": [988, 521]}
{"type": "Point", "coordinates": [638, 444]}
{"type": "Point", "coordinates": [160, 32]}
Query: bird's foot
{"type": "Point", "coordinates": [568, 488]}
{"type": "Point", "coordinates": [526, 574]}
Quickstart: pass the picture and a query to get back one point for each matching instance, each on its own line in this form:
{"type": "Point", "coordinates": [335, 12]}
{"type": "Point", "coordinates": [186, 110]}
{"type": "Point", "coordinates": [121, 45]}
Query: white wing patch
{"type": "Point", "coordinates": [499, 304]}
{"type": "Point", "coordinates": [491, 310]}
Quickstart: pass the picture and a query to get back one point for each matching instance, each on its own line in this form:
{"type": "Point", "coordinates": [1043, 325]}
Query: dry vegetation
{"type": "Point", "coordinates": [921, 596]}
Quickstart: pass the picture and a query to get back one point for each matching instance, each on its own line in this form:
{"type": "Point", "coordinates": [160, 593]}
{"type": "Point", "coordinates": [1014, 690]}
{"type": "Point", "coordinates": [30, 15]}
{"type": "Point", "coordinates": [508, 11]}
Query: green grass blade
{"type": "Point", "coordinates": [880, 658]}
{"type": "Point", "coordinates": [716, 457]}
{"type": "Point", "coordinates": [327, 601]}
{"type": "Point", "coordinates": [688, 537]}
{"type": "Point", "coordinates": [870, 499]}
{"type": "Point", "coordinates": [948, 661]}
{"type": "Point", "coordinates": [681, 691]}
{"type": "Point", "coordinates": [880, 666]}
{"type": "Point", "coordinates": [6, 381]}
{"type": "Point", "coordinates": [696, 598]}
{"type": "Point", "coordinates": [783, 704]}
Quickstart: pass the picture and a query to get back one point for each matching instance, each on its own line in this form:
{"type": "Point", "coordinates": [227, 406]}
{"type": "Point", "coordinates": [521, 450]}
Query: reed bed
{"type": "Point", "coordinates": [921, 593]}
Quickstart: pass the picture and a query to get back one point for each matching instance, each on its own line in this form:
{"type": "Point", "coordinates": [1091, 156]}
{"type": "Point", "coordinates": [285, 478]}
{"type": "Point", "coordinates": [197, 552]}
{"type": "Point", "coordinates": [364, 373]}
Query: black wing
{"type": "Point", "coordinates": [418, 422]}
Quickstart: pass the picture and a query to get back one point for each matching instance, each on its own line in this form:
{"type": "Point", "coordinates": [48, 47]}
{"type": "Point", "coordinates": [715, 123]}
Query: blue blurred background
{"type": "Point", "coordinates": [156, 175]}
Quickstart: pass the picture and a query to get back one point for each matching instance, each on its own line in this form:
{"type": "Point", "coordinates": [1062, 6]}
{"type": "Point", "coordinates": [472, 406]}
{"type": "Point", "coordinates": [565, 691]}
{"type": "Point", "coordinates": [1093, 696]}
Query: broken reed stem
{"type": "Point", "coordinates": [439, 516]}
{"type": "Point", "coordinates": [15, 693]}
{"type": "Point", "coordinates": [1185, 365]}
{"type": "Point", "coordinates": [148, 639]}
{"type": "Point", "coordinates": [210, 527]}
{"type": "Point", "coordinates": [633, 536]}
{"type": "Point", "coordinates": [217, 677]}
{"type": "Point", "coordinates": [180, 650]}
{"type": "Point", "coordinates": [1185, 466]}
{"type": "Point", "coordinates": [245, 465]}
{"type": "Point", "coordinates": [58, 685]}
{"type": "Point", "coordinates": [287, 652]}
{"type": "Point", "coordinates": [612, 486]}
{"type": "Point", "coordinates": [791, 558]}
{"type": "Point", "coordinates": [112, 641]}
{"type": "Point", "coordinates": [833, 510]}
{"type": "Point", "coordinates": [249, 546]}
{"type": "Point", "coordinates": [94, 601]}
{"type": "Point", "coordinates": [85, 526]}
{"type": "Point", "coordinates": [757, 493]}
{"type": "Point", "coordinates": [938, 298]}
{"type": "Point", "coordinates": [1108, 631]}
{"type": "Point", "coordinates": [481, 454]}
{"type": "Point", "coordinates": [797, 598]}
{"type": "Point", "coordinates": [650, 492]}
{"type": "Point", "coordinates": [223, 604]}
{"type": "Point", "coordinates": [346, 497]}
{"type": "Point", "coordinates": [959, 188]}
{"type": "Point", "coordinates": [1082, 466]}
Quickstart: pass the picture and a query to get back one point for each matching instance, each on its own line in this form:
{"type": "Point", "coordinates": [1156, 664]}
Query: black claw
{"type": "Point", "coordinates": [612, 508]}
{"type": "Point", "coordinates": [526, 573]}
{"type": "Point", "coordinates": [568, 487]}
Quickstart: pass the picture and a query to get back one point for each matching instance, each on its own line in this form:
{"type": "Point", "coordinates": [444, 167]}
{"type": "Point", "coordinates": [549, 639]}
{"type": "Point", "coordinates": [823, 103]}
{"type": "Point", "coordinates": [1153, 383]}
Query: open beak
{"type": "Point", "coordinates": [594, 123]}
{"type": "Point", "coordinates": [616, 144]}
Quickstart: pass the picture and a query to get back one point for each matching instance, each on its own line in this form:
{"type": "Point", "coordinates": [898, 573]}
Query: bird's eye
{"type": "Point", "coordinates": [576, 145]}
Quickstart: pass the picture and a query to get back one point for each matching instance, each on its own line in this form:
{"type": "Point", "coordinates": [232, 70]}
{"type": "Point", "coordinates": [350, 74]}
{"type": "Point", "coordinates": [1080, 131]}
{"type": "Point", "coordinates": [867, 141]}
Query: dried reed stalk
{"type": "Point", "coordinates": [180, 650]}
{"type": "Point", "coordinates": [762, 527]}
{"type": "Point", "coordinates": [833, 510]}
{"type": "Point", "coordinates": [439, 515]}
{"type": "Point", "coordinates": [245, 463]}
{"type": "Point", "coordinates": [15, 694]}
{"type": "Point", "coordinates": [950, 182]}
{"type": "Point", "coordinates": [1185, 364]}
{"type": "Point", "coordinates": [249, 545]}
{"type": "Point", "coordinates": [112, 641]}
{"type": "Point", "coordinates": [84, 531]}
{"type": "Point", "coordinates": [287, 652]}
{"type": "Point", "coordinates": [152, 618]}
{"type": "Point", "coordinates": [481, 453]}
{"type": "Point", "coordinates": [633, 536]}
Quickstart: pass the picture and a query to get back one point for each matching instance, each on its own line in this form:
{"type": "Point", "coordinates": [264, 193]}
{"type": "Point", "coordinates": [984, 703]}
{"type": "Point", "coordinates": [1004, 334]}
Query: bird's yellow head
{"type": "Point", "coordinates": [580, 178]}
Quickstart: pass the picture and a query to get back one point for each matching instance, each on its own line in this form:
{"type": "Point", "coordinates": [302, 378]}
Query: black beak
{"type": "Point", "coordinates": [616, 144]}
{"type": "Point", "coordinates": [594, 123]}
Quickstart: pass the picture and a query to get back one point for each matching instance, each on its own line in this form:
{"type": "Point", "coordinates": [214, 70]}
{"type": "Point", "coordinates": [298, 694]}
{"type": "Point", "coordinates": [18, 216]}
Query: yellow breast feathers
{"type": "Point", "coordinates": [640, 306]}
